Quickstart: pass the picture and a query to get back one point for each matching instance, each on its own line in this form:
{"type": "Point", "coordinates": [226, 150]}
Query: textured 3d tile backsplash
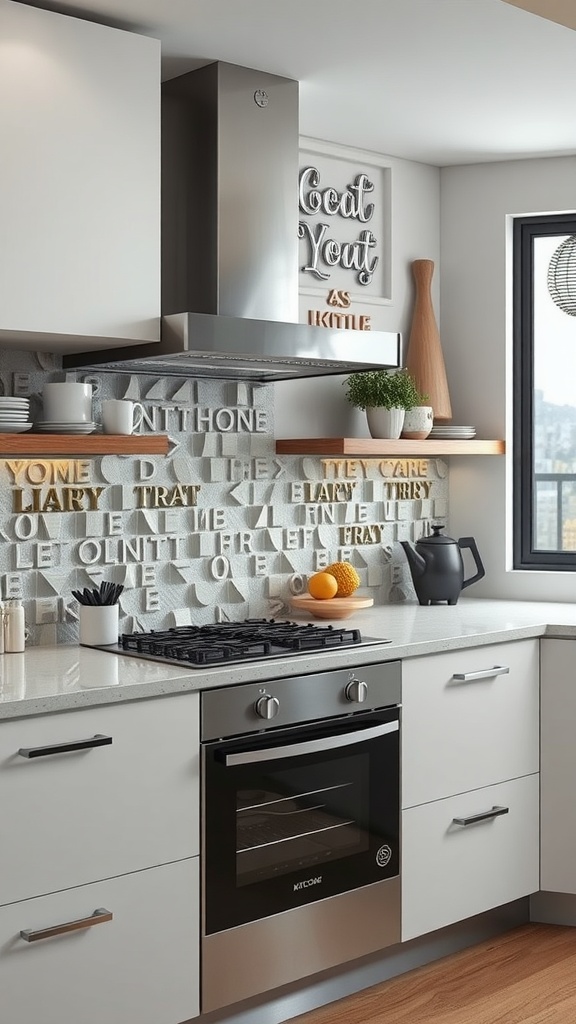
{"type": "Point", "coordinates": [221, 528]}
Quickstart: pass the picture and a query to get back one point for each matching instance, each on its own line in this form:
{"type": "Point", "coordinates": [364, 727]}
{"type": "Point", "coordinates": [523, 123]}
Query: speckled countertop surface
{"type": "Point", "coordinates": [49, 679]}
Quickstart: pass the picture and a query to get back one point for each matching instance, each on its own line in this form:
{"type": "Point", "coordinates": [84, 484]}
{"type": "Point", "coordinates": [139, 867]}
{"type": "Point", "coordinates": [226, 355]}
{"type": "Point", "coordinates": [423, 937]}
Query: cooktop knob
{"type": "Point", "coordinates": [356, 691]}
{"type": "Point", "coordinates": [267, 707]}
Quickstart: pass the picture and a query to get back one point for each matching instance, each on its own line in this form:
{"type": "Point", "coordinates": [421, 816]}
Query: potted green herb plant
{"type": "Point", "coordinates": [386, 396]}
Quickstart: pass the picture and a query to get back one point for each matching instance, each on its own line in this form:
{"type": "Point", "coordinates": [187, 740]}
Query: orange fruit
{"type": "Point", "coordinates": [322, 585]}
{"type": "Point", "coordinates": [346, 577]}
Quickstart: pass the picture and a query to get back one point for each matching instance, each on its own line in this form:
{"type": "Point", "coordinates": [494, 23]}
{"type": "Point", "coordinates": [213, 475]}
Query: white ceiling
{"type": "Point", "coordinates": [438, 81]}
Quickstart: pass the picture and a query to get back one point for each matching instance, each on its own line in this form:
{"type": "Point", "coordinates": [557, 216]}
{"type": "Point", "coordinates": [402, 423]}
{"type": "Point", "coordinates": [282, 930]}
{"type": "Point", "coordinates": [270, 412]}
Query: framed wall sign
{"type": "Point", "coordinates": [344, 227]}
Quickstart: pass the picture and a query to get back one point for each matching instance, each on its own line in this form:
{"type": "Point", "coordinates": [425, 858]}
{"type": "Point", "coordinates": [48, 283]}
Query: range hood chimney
{"type": "Point", "coordinates": [230, 242]}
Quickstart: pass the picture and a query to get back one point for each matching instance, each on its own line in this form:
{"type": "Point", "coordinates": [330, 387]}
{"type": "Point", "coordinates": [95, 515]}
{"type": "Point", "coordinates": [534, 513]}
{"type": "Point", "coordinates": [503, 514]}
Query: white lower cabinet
{"type": "Point", "coordinates": [140, 967]}
{"type": "Point", "coordinates": [470, 746]}
{"type": "Point", "coordinates": [99, 816]}
{"type": "Point", "coordinates": [469, 719]}
{"type": "Point", "coordinates": [77, 813]}
{"type": "Point", "coordinates": [452, 871]}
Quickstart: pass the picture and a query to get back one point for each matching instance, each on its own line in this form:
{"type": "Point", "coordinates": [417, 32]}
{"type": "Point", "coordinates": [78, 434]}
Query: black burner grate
{"type": "Point", "coordinates": [223, 642]}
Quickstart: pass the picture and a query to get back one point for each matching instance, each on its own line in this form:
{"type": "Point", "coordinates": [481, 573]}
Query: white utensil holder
{"type": "Point", "coordinates": [99, 624]}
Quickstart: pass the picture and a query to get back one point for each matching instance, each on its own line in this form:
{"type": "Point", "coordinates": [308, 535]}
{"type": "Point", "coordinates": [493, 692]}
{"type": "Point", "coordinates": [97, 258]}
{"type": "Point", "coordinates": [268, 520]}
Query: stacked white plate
{"type": "Point", "coordinates": [451, 432]}
{"type": "Point", "coordinates": [55, 427]}
{"type": "Point", "coordinates": [14, 413]}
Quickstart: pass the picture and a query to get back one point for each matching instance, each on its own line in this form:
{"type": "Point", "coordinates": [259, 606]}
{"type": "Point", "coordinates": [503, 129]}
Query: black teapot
{"type": "Point", "coordinates": [438, 569]}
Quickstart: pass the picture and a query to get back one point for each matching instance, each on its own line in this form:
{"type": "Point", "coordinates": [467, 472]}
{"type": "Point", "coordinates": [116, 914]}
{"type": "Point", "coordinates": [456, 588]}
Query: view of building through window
{"type": "Point", "coordinates": [554, 411]}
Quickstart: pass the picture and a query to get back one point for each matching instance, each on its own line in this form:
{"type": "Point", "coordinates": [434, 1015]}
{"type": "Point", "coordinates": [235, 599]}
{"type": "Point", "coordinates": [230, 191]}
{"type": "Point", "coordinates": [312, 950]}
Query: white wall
{"type": "Point", "coordinates": [476, 338]}
{"type": "Point", "coordinates": [317, 407]}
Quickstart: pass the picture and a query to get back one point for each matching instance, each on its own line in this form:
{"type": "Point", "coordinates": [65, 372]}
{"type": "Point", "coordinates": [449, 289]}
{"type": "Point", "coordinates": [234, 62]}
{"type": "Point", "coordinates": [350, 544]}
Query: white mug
{"type": "Point", "coordinates": [119, 416]}
{"type": "Point", "coordinates": [67, 403]}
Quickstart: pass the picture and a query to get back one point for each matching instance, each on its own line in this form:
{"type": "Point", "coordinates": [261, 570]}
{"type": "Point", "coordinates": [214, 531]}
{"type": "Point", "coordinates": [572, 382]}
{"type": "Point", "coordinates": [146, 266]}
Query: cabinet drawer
{"type": "Point", "coordinates": [140, 966]}
{"type": "Point", "coordinates": [452, 871]}
{"type": "Point", "coordinates": [462, 734]}
{"type": "Point", "coordinates": [81, 815]}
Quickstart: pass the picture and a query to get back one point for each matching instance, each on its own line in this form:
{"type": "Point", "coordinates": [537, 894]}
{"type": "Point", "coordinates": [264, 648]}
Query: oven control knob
{"type": "Point", "coordinates": [267, 707]}
{"type": "Point", "coordinates": [356, 691]}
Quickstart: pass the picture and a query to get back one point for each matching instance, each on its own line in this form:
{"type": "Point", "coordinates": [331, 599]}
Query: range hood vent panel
{"type": "Point", "coordinates": [200, 345]}
{"type": "Point", "coordinates": [232, 164]}
{"type": "Point", "coordinates": [230, 157]}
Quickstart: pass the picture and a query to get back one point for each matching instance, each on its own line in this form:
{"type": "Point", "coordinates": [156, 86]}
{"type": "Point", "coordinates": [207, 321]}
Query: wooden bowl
{"type": "Point", "coordinates": [332, 608]}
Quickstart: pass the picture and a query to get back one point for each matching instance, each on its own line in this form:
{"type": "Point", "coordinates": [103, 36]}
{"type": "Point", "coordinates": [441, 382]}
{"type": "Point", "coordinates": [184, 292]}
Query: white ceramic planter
{"type": "Point", "coordinates": [418, 422]}
{"type": "Point", "coordinates": [385, 423]}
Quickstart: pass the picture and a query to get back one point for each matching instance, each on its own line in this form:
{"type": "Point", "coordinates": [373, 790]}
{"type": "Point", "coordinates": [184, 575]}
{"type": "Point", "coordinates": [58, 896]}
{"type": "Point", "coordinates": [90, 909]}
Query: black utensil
{"type": "Point", "coordinates": [107, 593]}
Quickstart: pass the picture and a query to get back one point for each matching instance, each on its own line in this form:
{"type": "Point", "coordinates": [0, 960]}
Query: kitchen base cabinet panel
{"type": "Point", "coordinates": [469, 719]}
{"type": "Point", "coordinates": [558, 772]}
{"type": "Point", "coordinates": [76, 816]}
{"type": "Point", "coordinates": [452, 871]}
{"type": "Point", "coordinates": [141, 967]}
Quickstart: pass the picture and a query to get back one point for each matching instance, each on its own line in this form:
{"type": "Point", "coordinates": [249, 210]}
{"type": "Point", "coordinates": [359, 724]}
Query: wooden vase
{"type": "Point", "coordinates": [424, 359]}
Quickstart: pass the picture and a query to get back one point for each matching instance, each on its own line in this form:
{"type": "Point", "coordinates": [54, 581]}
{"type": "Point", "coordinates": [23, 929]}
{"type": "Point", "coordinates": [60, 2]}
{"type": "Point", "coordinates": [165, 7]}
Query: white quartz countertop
{"type": "Point", "coordinates": [49, 679]}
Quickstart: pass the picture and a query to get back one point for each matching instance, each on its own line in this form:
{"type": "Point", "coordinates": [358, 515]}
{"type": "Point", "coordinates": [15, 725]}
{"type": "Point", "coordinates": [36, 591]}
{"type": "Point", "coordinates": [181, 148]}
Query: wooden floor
{"type": "Point", "coordinates": [527, 976]}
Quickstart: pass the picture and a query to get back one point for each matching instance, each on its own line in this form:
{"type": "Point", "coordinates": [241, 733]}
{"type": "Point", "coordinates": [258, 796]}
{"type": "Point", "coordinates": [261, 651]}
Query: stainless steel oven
{"type": "Point", "coordinates": [300, 833]}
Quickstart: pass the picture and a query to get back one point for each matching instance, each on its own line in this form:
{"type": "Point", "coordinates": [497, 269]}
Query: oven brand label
{"type": "Point", "coordinates": [383, 856]}
{"type": "Point", "coordinates": [307, 883]}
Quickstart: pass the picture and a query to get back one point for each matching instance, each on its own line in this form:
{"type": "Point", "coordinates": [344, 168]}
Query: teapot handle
{"type": "Point", "coordinates": [469, 542]}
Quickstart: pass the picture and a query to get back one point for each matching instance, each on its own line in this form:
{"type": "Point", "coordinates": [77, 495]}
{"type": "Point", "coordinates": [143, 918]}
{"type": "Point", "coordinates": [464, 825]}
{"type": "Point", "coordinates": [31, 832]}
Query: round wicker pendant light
{"type": "Point", "coordinates": [562, 276]}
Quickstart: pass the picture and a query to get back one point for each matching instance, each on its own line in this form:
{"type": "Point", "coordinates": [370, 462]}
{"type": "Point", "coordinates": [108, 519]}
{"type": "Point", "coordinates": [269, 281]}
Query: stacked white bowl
{"type": "Point", "coordinates": [14, 415]}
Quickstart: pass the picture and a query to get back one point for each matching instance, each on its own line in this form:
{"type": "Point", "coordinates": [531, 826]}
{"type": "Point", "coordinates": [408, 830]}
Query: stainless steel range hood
{"type": "Point", "coordinates": [230, 242]}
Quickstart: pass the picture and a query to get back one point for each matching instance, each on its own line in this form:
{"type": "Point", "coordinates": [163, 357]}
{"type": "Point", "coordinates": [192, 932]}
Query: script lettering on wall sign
{"type": "Point", "coordinates": [324, 252]}
{"type": "Point", "coordinates": [345, 238]}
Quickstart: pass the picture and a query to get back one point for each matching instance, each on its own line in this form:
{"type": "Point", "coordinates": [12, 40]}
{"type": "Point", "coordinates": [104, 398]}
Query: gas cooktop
{"type": "Point", "coordinates": [225, 643]}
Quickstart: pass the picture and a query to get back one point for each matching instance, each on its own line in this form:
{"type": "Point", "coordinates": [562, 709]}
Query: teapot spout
{"type": "Point", "coordinates": [415, 561]}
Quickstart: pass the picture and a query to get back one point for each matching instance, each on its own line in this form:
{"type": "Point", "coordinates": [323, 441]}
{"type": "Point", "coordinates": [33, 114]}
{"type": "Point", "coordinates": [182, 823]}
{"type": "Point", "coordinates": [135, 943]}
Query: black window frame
{"type": "Point", "coordinates": [525, 230]}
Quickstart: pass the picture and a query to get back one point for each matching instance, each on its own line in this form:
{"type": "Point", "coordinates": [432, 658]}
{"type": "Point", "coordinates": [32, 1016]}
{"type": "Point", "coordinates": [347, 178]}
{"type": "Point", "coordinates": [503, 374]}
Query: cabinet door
{"type": "Point", "coordinates": [470, 718]}
{"type": "Point", "coordinates": [451, 871]}
{"type": "Point", "coordinates": [142, 966]}
{"type": "Point", "coordinates": [79, 179]}
{"type": "Point", "coordinates": [558, 771]}
{"type": "Point", "coordinates": [79, 815]}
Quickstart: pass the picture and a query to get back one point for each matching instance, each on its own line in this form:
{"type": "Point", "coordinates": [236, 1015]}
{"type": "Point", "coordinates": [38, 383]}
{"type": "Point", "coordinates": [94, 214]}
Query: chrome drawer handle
{"type": "Point", "coordinates": [63, 748]}
{"type": "Point", "coordinates": [99, 916]}
{"type": "Point", "coordinates": [485, 673]}
{"type": "Point", "coordinates": [483, 816]}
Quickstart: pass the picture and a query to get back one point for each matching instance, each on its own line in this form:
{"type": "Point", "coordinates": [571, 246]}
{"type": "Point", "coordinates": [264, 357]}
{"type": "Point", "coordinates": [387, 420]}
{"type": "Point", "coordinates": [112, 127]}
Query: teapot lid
{"type": "Point", "coordinates": [436, 538]}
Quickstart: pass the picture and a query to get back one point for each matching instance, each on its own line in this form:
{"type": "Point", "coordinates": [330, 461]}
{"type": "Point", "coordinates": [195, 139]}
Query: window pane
{"type": "Point", "coordinates": [554, 410]}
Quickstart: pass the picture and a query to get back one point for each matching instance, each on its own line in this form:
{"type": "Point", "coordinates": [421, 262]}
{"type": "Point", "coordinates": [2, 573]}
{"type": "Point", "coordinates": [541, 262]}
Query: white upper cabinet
{"type": "Point", "coordinates": [79, 182]}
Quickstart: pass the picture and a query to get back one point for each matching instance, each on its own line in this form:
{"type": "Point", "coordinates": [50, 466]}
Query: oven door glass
{"type": "Point", "coordinates": [297, 815]}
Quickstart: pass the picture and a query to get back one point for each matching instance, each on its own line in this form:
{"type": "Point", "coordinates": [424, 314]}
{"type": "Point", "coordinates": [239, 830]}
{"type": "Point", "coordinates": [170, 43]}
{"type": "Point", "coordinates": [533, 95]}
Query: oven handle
{"type": "Point", "coordinates": [311, 746]}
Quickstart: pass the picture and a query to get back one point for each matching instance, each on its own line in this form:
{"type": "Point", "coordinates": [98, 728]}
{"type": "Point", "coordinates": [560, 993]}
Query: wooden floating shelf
{"type": "Point", "coordinates": [368, 446]}
{"type": "Point", "coordinates": [83, 444]}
